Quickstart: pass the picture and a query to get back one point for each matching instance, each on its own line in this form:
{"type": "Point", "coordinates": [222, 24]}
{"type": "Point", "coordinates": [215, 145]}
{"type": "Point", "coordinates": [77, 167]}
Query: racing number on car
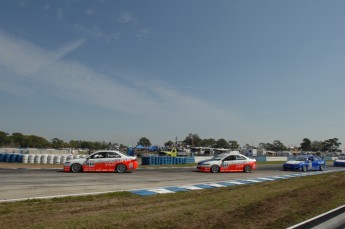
{"type": "Point", "coordinates": [90, 163]}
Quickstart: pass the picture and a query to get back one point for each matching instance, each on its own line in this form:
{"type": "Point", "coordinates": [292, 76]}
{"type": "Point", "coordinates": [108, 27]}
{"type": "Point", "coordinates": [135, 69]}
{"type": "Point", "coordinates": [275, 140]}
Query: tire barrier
{"type": "Point", "coordinates": [25, 158]}
{"type": "Point", "coordinates": [44, 159]}
{"type": "Point", "coordinates": [50, 159]}
{"type": "Point", "coordinates": [37, 158]}
{"type": "Point", "coordinates": [166, 160]}
{"type": "Point", "coordinates": [31, 159]}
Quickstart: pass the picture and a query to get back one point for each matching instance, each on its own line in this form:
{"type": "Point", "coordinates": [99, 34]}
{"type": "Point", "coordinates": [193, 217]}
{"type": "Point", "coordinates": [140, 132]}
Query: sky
{"type": "Point", "coordinates": [116, 71]}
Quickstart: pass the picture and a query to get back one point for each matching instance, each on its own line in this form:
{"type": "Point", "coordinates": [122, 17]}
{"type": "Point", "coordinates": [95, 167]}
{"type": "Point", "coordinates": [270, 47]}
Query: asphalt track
{"type": "Point", "coordinates": [22, 184]}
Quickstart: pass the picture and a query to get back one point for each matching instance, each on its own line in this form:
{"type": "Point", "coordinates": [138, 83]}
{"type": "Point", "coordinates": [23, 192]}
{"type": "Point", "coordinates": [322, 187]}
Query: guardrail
{"type": "Point", "coordinates": [331, 219]}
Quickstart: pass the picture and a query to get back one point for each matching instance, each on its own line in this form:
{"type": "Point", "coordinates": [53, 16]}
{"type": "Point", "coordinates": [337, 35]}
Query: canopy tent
{"type": "Point", "coordinates": [153, 148]}
{"type": "Point", "coordinates": [140, 147]}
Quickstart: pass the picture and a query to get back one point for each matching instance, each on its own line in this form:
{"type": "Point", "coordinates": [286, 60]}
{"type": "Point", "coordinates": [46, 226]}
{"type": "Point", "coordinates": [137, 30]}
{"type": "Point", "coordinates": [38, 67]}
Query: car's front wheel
{"type": "Point", "coordinates": [214, 169]}
{"type": "Point", "coordinates": [76, 168]}
{"type": "Point", "coordinates": [121, 168]}
{"type": "Point", "coordinates": [322, 167]}
{"type": "Point", "coordinates": [247, 169]}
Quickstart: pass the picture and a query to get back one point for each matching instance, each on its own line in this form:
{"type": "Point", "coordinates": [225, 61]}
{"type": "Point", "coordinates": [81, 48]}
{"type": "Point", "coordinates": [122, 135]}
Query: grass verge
{"type": "Point", "coordinates": [275, 204]}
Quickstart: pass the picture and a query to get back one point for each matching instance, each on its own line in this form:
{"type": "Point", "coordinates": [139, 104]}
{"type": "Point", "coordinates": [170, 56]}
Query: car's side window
{"type": "Point", "coordinates": [99, 155]}
{"type": "Point", "coordinates": [113, 155]}
{"type": "Point", "coordinates": [240, 158]}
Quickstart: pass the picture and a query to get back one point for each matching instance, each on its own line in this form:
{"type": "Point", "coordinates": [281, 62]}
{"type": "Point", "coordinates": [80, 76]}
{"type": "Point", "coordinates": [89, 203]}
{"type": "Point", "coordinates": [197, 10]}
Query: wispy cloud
{"type": "Point", "coordinates": [126, 17]}
{"type": "Point", "coordinates": [90, 12]}
{"type": "Point", "coordinates": [143, 33]}
{"type": "Point", "coordinates": [95, 31]}
{"type": "Point", "coordinates": [46, 7]}
{"type": "Point", "coordinates": [60, 14]}
{"type": "Point", "coordinates": [73, 81]}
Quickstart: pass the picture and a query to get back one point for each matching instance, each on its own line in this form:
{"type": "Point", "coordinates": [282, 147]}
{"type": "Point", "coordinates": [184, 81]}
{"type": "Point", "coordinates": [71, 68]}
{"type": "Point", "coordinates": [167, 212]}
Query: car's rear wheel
{"type": "Point", "coordinates": [76, 168]}
{"type": "Point", "coordinates": [304, 168]}
{"type": "Point", "coordinates": [322, 167]}
{"type": "Point", "coordinates": [247, 169]}
{"type": "Point", "coordinates": [121, 168]}
{"type": "Point", "coordinates": [214, 169]}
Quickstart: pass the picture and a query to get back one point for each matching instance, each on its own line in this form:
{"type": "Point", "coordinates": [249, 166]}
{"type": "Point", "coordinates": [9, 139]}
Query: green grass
{"type": "Point", "coordinates": [274, 204]}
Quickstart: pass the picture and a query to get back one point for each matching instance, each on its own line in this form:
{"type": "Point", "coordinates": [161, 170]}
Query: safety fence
{"type": "Point", "coordinates": [166, 160]}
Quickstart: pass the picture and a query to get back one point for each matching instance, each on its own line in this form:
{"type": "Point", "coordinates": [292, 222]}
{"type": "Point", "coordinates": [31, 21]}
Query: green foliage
{"type": "Point", "coordinates": [233, 145]}
{"type": "Point", "coordinates": [306, 145]}
{"type": "Point", "coordinates": [33, 141]}
{"type": "Point", "coordinates": [169, 144]}
{"type": "Point", "coordinates": [222, 143]}
{"type": "Point", "coordinates": [331, 145]}
{"type": "Point", "coordinates": [210, 142]}
{"type": "Point", "coordinates": [144, 141]}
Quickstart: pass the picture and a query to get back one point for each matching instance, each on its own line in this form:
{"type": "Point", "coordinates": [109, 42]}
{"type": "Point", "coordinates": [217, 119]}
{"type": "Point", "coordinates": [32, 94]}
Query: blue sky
{"type": "Point", "coordinates": [250, 71]}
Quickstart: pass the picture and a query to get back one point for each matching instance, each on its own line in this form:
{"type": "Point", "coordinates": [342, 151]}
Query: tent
{"type": "Point", "coordinates": [153, 148]}
{"type": "Point", "coordinates": [140, 147]}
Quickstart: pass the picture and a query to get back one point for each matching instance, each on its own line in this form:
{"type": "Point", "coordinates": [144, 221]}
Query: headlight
{"type": "Point", "coordinates": [67, 163]}
{"type": "Point", "coordinates": [205, 163]}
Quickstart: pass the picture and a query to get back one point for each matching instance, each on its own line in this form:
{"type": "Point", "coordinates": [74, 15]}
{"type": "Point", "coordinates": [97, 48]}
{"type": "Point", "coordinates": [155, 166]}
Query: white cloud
{"type": "Point", "coordinates": [143, 33]}
{"type": "Point", "coordinates": [46, 7]}
{"type": "Point", "coordinates": [48, 72]}
{"type": "Point", "coordinates": [60, 14]}
{"type": "Point", "coordinates": [96, 32]}
{"type": "Point", "coordinates": [90, 12]}
{"type": "Point", "coordinates": [126, 17]}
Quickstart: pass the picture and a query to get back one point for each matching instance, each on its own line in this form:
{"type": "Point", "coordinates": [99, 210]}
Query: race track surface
{"type": "Point", "coordinates": [21, 184]}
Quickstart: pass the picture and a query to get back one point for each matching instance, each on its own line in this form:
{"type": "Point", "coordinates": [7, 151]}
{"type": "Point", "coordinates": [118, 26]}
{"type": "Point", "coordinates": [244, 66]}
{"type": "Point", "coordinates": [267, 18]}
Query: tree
{"type": "Point", "coordinates": [331, 145]}
{"type": "Point", "coordinates": [192, 140]}
{"type": "Point", "coordinates": [169, 144]}
{"type": "Point", "coordinates": [57, 143]}
{"type": "Point", "coordinates": [278, 146]}
{"type": "Point", "coordinates": [316, 146]}
{"type": "Point", "coordinates": [222, 143]}
{"type": "Point", "coordinates": [306, 145]}
{"type": "Point", "coordinates": [233, 145]}
{"type": "Point", "coordinates": [208, 142]}
{"type": "Point", "coordinates": [3, 138]}
{"type": "Point", "coordinates": [144, 141]}
{"type": "Point", "coordinates": [19, 140]}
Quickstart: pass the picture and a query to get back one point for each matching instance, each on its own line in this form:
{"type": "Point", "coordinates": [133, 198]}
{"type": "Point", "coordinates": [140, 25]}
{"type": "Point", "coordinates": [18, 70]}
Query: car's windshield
{"type": "Point", "coordinates": [301, 158]}
{"type": "Point", "coordinates": [217, 157]}
{"type": "Point", "coordinates": [341, 158]}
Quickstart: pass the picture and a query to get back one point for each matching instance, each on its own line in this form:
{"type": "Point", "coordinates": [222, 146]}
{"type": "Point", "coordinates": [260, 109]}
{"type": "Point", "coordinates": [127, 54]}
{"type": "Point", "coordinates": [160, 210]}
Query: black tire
{"type": "Point", "coordinates": [322, 167]}
{"type": "Point", "coordinates": [304, 168]}
{"type": "Point", "coordinates": [121, 168]}
{"type": "Point", "coordinates": [76, 168]}
{"type": "Point", "coordinates": [214, 169]}
{"type": "Point", "coordinates": [247, 169]}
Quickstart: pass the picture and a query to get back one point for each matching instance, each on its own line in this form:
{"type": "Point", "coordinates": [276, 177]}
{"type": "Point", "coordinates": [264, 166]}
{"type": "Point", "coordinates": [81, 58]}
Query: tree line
{"type": "Point", "coordinates": [192, 140]}
{"type": "Point", "coordinates": [32, 141]}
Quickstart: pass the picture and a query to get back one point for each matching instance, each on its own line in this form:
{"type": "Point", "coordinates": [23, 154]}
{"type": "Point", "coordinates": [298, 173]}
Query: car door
{"type": "Point", "coordinates": [240, 163]}
{"type": "Point", "coordinates": [113, 159]}
{"type": "Point", "coordinates": [229, 163]}
{"type": "Point", "coordinates": [96, 163]}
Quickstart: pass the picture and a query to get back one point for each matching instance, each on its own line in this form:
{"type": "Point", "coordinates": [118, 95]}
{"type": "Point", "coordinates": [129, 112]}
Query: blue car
{"type": "Point", "coordinates": [340, 161]}
{"type": "Point", "coordinates": [305, 163]}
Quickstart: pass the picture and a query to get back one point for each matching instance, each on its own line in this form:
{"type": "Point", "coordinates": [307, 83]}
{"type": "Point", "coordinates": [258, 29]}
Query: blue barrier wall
{"type": "Point", "coordinates": [165, 160]}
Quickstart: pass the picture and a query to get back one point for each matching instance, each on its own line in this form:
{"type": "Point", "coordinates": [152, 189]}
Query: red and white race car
{"type": "Point", "coordinates": [102, 161]}
{"type": "Point", "coordinates": [227, 162]}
